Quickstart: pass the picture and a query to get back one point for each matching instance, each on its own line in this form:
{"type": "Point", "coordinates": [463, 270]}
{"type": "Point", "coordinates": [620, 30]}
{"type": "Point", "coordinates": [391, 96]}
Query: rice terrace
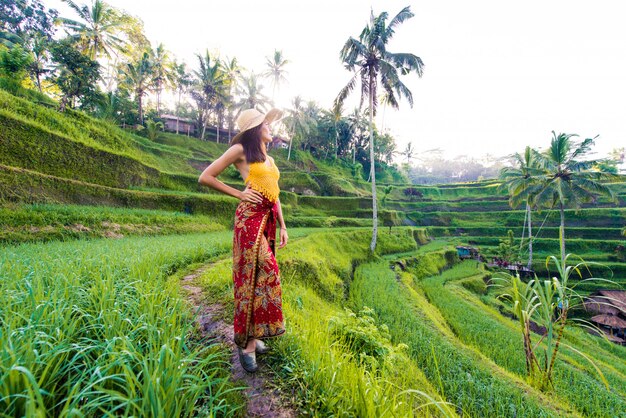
{"type": "Point", "coordinates": [450, 220]}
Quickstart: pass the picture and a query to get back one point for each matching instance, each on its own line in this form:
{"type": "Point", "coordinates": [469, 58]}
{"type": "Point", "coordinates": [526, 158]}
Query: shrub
{"type": "Point", "coordinates": [413, 193]}
{"type": "Point", "coordinates": [368, 340]}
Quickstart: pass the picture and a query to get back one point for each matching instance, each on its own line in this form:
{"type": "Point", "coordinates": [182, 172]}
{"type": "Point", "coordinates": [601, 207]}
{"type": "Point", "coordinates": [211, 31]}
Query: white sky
{"type": "Point", "coordinates": [499, 75]}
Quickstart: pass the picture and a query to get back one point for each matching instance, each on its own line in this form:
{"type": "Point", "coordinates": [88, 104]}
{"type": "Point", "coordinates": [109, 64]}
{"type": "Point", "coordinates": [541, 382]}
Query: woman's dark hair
{"type": "Point", "coordinates": [251, 142]}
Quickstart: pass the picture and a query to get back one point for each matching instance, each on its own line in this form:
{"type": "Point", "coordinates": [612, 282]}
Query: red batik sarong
{"type": "Point", "coordinates": [258, 300]}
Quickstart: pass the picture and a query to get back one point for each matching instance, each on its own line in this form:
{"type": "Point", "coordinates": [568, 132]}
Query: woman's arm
{"type": "Point", "coordinates": [209, 176]}
{"type": "Point", "coordinates": [283, 228]}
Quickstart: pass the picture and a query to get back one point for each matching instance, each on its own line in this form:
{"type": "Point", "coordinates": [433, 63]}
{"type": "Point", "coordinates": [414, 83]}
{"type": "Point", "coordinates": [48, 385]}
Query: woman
{"type": "Point", "coordinates": [258, 300]}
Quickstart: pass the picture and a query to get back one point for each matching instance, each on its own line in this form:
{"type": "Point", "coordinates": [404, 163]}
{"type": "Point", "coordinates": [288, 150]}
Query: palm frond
{"type": "Point", "coordinates": [406, 62]}
{"type": "Point", "coordinates": [583, 148]}
{"type": "Point", "coordinates": [351, 51]}
{"type": "Point", "coordinates": [81, 11]}
{"type": "Point", "coordinates": [403, 15]}
{"type": "Point", "coordinates": [345, 92]}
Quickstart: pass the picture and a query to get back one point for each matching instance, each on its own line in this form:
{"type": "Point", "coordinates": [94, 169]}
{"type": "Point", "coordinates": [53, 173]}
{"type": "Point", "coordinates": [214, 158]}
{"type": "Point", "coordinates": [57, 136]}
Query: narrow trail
{"type": "Point", "coordinates": [262, 400]}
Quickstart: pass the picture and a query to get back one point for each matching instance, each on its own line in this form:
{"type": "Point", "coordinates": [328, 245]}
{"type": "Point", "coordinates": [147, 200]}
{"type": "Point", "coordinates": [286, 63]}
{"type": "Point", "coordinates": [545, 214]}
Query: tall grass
{"type": "Point", "coordinates": [462, 375]}
{"type": "Point", "coordinates": [93, 327]}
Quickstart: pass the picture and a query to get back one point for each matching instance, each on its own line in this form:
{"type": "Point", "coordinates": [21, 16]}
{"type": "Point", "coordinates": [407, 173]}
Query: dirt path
{"type": "Point", "coordinates": [262, 399]}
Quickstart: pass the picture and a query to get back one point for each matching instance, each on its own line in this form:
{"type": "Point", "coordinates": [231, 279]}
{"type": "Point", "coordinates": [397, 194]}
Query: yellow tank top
{"type": "Point", "coordinates": [264, 179]}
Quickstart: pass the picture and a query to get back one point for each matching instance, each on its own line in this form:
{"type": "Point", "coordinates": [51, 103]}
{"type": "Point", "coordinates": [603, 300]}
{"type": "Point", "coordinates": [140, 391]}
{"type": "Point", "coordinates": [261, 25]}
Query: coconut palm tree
{"type": "Point", "coordinates": [163, 72]}
{"type": "Point", "coordinates": [210, 85]}
{"type": "Point", "coordinates": [232, 71]}
{"type": "Point", "coordinates": [358, 127]}
{"type": "Point", "coordinates": [408, 152]}
{"type": "Point", "coordinates": [250, 93]}
{"type": "Point", "coordinates": [521, 182]}
{"type": "Point", "coordinates": [374, 66]}
{"type": "Point", "coordinates": [297, 122]}
{"type": "Point", "coordinates": [276, 71]}
{"type": "Point", "coordinates": [182, 82]}
{"type": "Point", "coordinates": [39, 46]}
{"type": "Point", "coordinates": [312, 114]}
{"type": "Point", "coordinates": [336, 114]}
{"type": "Point", "coordinates": [566, 181]}
{"type": "Point", "coordinates": [137, 77]}
{"type": "Point", "coordinates": [98, 29]}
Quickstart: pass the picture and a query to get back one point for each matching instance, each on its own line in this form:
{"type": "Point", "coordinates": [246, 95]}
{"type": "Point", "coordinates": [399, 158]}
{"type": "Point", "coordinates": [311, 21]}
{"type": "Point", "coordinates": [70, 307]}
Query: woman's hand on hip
{"type": "Point", "coordinates": [252, 196]}
{"type": "Point", "coordinates": [283, 237]}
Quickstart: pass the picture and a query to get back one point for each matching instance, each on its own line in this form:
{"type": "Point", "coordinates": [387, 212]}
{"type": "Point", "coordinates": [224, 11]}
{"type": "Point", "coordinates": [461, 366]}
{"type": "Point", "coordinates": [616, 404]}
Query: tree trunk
{"type": "Point", "coordinates": [204, 118]}
{"type": "Point", "coordinates": [178, 112]}
{"type": "Point", "coordinates": [158, 97]}
{"type": "Point", "coordinates": [530, 238]}
{"type": "Point", "coordinates": [289, 153]}
{"type": "Point", "coordinates": [373, 168]}
{"type": "Point", "coordinates": [140, 108]}
{"type": "Point", "coordinates": [63, 104]}
{"type": "Point", "coordinates": [203, 127]}
{"type": "Point", "coordinates": [217, 128]}
{"type": "Point", "coordinates": [336, 140]}
{"type": "Point", "coordinates": [562, 234]}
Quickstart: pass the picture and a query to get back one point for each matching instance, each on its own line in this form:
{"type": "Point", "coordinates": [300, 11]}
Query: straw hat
{"type": "Point", "coordinates": [251, 118]}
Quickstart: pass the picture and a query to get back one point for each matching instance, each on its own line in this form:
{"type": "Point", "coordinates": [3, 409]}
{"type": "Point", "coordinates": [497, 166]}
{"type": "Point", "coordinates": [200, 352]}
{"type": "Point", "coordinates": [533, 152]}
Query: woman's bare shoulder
{"type": "Point", "coordinates": [236, 148]}
{"type": "Point", "coordinates": [234, 153]}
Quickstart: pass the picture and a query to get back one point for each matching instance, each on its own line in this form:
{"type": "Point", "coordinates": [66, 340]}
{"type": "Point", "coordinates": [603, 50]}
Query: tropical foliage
{"type": "Point", "coordinates": [372, 65]}
{"type": "Point", "coordinates": [520, 181]}
{"type": "Point", "coordinates": [106, 66]}
{"type": "Point", "coordinates": [567, 181]}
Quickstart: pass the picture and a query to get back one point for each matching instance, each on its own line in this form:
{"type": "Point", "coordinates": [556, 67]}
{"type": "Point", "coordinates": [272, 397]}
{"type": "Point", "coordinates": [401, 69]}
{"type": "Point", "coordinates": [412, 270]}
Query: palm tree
{"type": "Point", "coordinates": [182, 81]}
{"type": "Point", "coordinates": [568, 182]}
{"type": "Point", "coordinates": [521, 183]}
{"type": "Point", "coordinates": [250, 93]}
{"type": "Point", "coordinates": [98, 32]}
{"type": "Point", "coordinates": [358, 126]}
{"type": "Point", "coordinates": [232, 71]}
{"type": "Point", "coordinates": [276, 71]}
{"type": "Point", "coordinates": [297, 122]}
{"type": "Point", "coordinates": [211, 83]}
{"type": "Point", "coordinates": [39, 48]}
{"type": "Point", "coordinates": [408, 152]}
{"type": "Point", "coordinates": [163, 72]}
{"type": "Point", "coordinates": [335, 115]}
{"type": "Point", "coordinates": [312, 115]}
{"type": "Point", "coordinates": [373, 64]}
{"type": "Point", "coordinates": [137, 76]}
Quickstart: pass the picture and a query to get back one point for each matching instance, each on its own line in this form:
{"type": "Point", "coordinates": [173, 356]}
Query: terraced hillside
{"type": "Point", "coordinates": [478, 214]}
{"type": "Point", "coordinates": [93, 316]}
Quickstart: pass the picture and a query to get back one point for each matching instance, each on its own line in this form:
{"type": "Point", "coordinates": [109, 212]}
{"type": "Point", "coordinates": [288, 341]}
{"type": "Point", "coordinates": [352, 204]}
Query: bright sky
{"type": "Point", "coordinates": [499, 75]}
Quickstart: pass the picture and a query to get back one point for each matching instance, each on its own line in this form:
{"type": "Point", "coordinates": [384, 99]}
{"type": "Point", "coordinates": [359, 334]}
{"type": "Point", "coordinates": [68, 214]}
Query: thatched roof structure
{"type": "Point", "coordinates": [600, 305]}
{"type": "Point", "coordinates": [612, 321]}
{"type": "Point", "coordinates": [616, 298]}
{"type": "Point", "coordinates": [612, 302]}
